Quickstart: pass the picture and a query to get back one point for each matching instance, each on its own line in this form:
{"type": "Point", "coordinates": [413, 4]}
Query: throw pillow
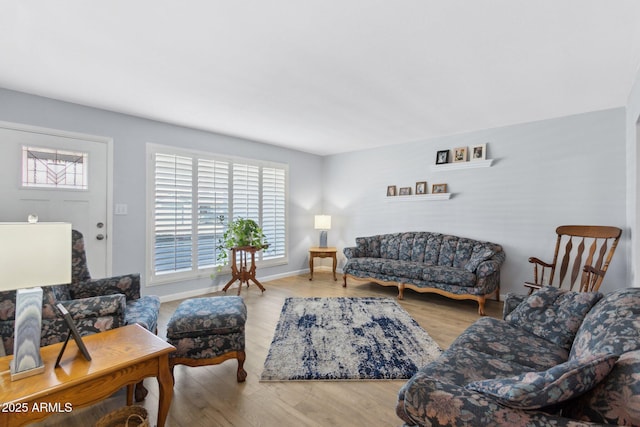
{"type": "Point", "coordinates": [553, 314]}
{"type": "Point", "coordinates": [615, 400]}
{"type": "Point", "coordinates": [479, 254]}
{"type": "Point", "coordinates": [534, 390]}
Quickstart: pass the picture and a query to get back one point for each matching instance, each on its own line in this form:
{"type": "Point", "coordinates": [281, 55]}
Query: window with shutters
{"type": "Point", "coordinates": [192, 197]}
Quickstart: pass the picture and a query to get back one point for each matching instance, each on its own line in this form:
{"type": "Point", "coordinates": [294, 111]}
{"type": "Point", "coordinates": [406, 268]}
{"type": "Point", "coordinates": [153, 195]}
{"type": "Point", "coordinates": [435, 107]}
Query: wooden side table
{"type": "Point", "coordinates": [244, 273]}
{"type": "Point", "coordinates": [119, 357]}
{"type": "Point", "coordinates": [318, 252]}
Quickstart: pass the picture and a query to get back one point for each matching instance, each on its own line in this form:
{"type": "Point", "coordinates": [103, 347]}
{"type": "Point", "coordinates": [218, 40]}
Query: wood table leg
{"type": "Point", "coordinates": [335, 264]}
{"type": "Point", "coordinates": [311, 266]}
{"type": "Point", "coordinates": [130, 389]}
{"type": "Point", "coordinates": [165, 383]}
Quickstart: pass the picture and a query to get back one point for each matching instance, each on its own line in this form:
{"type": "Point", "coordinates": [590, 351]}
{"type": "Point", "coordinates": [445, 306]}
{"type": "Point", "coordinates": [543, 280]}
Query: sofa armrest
{"type": "Point", "coordinates": [511, 301]}
{"type": "Point", "coordinates": [127, 284]}
{"type": "Point", "coordinates": [351, 252]}
{"type": "Point", "coordinates": [425, 401]}
{"type": "Point", "coordinates": [487, 268]}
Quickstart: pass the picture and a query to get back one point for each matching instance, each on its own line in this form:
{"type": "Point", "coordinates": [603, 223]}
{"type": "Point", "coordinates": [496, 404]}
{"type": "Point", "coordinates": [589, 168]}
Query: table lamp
{"type": "Point", "coordinates": [32, 255]}
{"type": "Point", "coordinates": [323, 223]}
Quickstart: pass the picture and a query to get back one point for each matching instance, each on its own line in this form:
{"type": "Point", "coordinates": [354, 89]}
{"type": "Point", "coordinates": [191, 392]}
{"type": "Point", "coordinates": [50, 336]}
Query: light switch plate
{"type": "Point", "coordinates": [121, 209]}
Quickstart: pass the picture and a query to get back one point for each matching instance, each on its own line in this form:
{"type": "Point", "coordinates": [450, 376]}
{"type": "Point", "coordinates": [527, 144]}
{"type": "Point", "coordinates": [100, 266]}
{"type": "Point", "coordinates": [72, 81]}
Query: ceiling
{"type": "Point", "coordinates": [326, 76]}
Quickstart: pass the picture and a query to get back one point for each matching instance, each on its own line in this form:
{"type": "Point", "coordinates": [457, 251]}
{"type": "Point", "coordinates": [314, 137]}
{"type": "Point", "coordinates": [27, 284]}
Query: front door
{"type": "Point", "coordinates": [58, 176]}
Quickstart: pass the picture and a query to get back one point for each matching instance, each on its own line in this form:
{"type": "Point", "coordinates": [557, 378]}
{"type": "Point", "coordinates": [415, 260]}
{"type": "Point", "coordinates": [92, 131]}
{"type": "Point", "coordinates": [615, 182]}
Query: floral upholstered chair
{"type": "Point", "coordinates": [95, 305]}
{"type": "Point", "coordinates": [142, 310]}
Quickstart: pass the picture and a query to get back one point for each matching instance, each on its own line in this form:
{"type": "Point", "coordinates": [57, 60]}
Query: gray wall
{"type": "Point", "coordinates": [564, 171]}
{"type": "Point", "coordinates": [567, 170]}
{"type": "Point", "coordinates": [633, 178]}
{"type": "Point", "coordinates": [130, 135]}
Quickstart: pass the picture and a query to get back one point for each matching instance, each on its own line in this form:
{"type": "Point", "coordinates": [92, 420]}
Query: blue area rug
{"type": "Point", "coordinates": [346, 339]}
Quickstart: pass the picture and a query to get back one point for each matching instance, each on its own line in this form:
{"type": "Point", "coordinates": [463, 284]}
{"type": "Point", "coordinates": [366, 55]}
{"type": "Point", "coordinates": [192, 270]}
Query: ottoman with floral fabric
{"type": "Point", "coordinates": [208, 331]}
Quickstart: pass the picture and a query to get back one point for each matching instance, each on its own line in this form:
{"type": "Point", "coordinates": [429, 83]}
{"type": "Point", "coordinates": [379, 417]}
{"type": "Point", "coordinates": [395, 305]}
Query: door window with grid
{"type": "Point", "coordinates": [192, 198]}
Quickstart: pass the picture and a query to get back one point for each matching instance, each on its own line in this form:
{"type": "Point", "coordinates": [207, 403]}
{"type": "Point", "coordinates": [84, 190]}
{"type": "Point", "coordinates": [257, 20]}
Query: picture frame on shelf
{"type": "Point", "coordinates": [421, 187]}
{"type": "Point", "coordinates": [405, 191]}
{"type": "Point", "coordinates": [439, 188]}
{"type": "Point", "coordinates": [391, 191]}
{"type": "Point", "coordinates": [442, 157]}
{"type": "Point", "coordinates": [479, 152]}
{"type": "Point", "coordinates": [459, 154]}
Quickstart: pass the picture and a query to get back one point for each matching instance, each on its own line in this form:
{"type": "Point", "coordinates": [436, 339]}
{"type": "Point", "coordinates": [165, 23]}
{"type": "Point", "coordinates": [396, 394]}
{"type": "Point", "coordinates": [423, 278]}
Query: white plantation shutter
{"type": "Point", "coordinates": [273, 210]}
{"type": "Point", "coordinates": [246, 192]}
{"type": "Point", "coordinates": [173, 218]}
{"type": "Point", "coordinates": [194, 196]}
{"type": "Point", "coordinates": [213, 203]}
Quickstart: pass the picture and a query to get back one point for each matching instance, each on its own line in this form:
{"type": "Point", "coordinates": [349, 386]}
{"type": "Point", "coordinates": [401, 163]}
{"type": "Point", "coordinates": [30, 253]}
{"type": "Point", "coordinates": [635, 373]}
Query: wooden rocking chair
{"type": "Point", "coordinates": [602, 242]}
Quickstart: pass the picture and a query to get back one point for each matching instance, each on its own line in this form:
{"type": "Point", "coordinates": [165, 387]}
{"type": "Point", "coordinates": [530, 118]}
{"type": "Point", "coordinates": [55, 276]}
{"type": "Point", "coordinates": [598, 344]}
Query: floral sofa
{"type": "Point", "coordinates": [94, 304]}
{"type": "Point", "coordinates": [453, 266]}
{"type": "Point", "coordinates": [558, 358]}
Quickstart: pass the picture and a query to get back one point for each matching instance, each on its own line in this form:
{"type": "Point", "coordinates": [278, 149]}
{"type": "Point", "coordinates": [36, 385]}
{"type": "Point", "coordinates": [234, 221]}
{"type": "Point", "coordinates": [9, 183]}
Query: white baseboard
{"type": "Point", "coordinates": [218, 287]}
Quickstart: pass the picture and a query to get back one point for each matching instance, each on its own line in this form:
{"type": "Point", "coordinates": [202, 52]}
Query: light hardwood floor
{"type": "Point", "coordinates": [209, 396]}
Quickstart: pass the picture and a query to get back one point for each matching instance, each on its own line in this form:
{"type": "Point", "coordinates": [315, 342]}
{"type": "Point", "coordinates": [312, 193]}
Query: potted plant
{"type": "Point", "coordinates": [240, 232]}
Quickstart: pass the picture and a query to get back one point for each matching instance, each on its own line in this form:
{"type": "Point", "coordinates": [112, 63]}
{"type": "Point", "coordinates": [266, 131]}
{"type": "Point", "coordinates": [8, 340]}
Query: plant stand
{"type": "Point", "coordinates": [244, 273]}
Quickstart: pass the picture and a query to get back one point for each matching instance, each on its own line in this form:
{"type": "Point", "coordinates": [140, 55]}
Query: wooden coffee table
{"type": "Point", "coordinates": [119, 357]}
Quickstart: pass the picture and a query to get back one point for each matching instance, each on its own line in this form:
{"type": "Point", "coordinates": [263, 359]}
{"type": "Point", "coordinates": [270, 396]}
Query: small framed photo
{"type": "Point", "coordinates": [391, 191]}
{"type": "Point", "coordinates": [479, 152]}
{"type": "Point", "coordinates": [439, 188]}
{"type": "Point", "coordinates": [442, 157]}
{"type": "Point", "coordinates": [405, 191]}
{"type": "Point", "coordinates": [460, 154]}
{"type": "Point", "coordinates": [421, 187]}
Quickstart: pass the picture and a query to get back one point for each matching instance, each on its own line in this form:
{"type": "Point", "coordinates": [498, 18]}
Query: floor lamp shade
{"type": "Point", "coordinates": [32, 255]}
{"type": "Point", "coordinates": [323, 223]}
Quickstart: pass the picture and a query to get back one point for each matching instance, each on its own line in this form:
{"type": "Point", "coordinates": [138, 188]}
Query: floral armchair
{"type": "Point", "coordinates": [558, 358]}
{"type": "Point", "coordinates": [139, 309]}
{"type": "Point", "coordinates": [95, 305]}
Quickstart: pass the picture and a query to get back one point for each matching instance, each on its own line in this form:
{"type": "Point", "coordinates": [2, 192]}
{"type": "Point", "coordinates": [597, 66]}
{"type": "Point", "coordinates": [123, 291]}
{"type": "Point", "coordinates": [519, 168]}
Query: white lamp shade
{"type": "Point", "coordinates": [323, 222]}
{"type": "Point", "coordinates": [34, 254]}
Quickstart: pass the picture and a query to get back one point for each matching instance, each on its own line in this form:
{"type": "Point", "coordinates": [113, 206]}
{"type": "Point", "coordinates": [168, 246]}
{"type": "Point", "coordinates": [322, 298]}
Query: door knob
{"type": "Point", "coordinates": [100, 236]}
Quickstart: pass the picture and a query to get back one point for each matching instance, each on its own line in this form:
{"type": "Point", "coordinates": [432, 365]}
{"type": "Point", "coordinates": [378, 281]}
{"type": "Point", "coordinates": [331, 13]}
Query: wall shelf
{"type": "Point", "coordinates": [419, 197]}
{"type": "Point", "coordinates": [473, 164]}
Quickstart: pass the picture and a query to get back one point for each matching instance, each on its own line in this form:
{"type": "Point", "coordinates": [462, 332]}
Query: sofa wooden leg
{"type": "Point", "coordinates": [344, 285]}
{"type": "Point", "coordinates": [481, 301]}
{"type": "Point", "coordinates": [401, 291]}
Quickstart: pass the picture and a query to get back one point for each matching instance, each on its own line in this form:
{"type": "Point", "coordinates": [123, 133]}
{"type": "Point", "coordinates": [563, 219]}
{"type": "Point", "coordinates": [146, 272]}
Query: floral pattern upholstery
{"type": "Point", "coordinates": [615, 400]}
{"type": "Point", "coordinates": [491, 349]}
{"type": "Point", "coordinates": [95, 305]}
{"type": "Point", "coordinates": [456, 265]}
{"type": "Point", "coordinates": [205, 328]}
{"type": "Point", "coordinates": [534, 390]}
{"type": "Point", "coordinates": [90, 315]}
{"type": "Point", "coordinates": [569, 310]}
{"type": "Point", "coordinates": [140, 309]}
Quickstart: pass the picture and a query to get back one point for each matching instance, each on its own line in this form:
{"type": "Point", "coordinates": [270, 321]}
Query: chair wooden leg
{"type": "Point", "coordinates": [141, 392]}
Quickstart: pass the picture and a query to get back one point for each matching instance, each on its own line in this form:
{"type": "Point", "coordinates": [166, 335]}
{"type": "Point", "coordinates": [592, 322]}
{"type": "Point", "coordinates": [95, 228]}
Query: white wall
{"type": "Point", "coordinates": [130, 135]}
{"type": "Point", "coordinates": [633, 178]}
{"type": "Point", "coordinates": [563, 171]}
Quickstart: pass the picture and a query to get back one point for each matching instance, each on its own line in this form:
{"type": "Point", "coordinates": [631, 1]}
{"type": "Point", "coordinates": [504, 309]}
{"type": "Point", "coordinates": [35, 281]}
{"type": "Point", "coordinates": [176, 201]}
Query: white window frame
{"type": "Point", "coordinates": [194, 272]}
